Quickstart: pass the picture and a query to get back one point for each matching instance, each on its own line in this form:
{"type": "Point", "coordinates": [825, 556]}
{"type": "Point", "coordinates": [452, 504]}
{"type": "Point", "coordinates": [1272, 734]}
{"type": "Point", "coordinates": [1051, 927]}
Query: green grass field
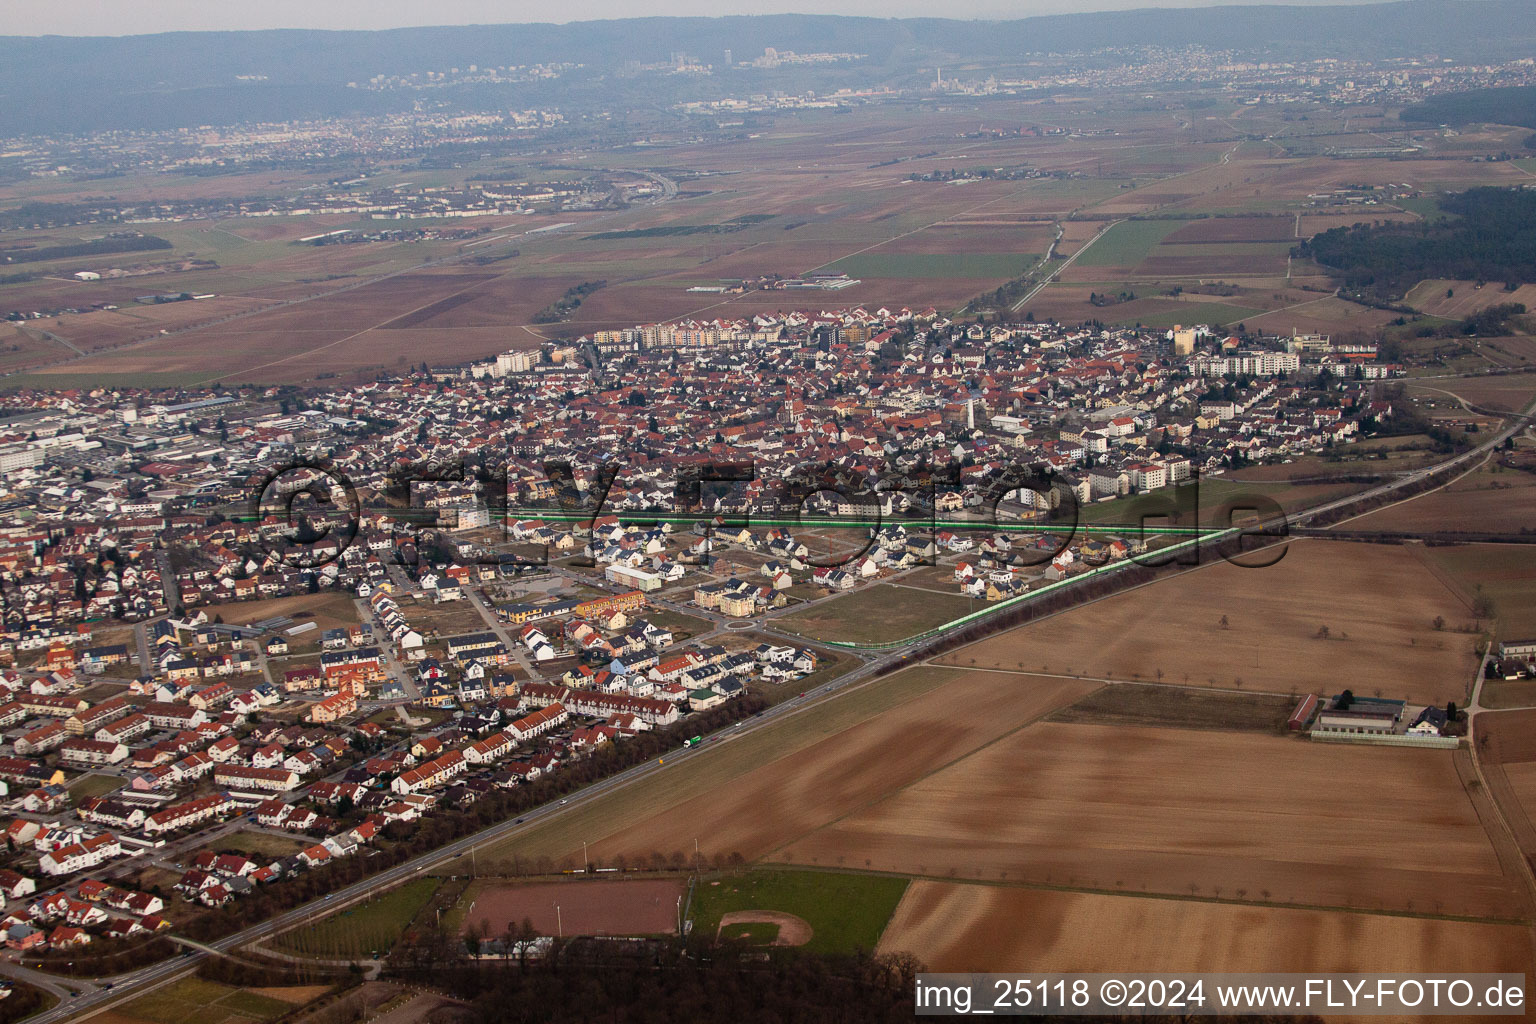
{"type": "Point", "coordinates": [877, 615]}
{"type": "Point", "coordinates": [754, 933]}
{"type": "Point", "coordinates": [677, 622]}
{"type": "Point", "coordinates": [1427, 207]}
{"type": "Point", "coordinates": [983, 265]}
{"type": "Point", "coordinates": [1088, 190]}
{"type": "Point", "coordinates": [88, 786]}
{"type": "Point", "coordinates": [1217, 250]}
{"type": "Point", "coordinates": [1197, 313]}
{"type": "Point", "coordinates": [193, 1001]}
{"type": "Point", "coordinates": [361, 930]}
{"type": "Point", "coordinates": [1127, 243]}
{"type": "Point", "coordinates": [845, 911]}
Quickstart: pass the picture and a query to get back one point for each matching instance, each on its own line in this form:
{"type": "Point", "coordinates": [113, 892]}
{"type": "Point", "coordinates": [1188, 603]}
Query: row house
{"type": "Point", "coordinates": [600, 705]}
{"type": "Point", "coordinates": [113, 813]}
{"type": "Point", "coordinates": [539, 722]}
{"type": "Point", "coordinates": [41, 739]}
{"type": "Point", "coordinates": [80, 856]}
{"type": "Point", "coordinates": [242, 777]}
{"type": "Point", "coordinates": [83, 753]}
{"type": "Point", "coordinates": [84, 723]}
{"type": "Point", "coordinates": [189, 813]}
{"type": "Point", "coordinates": [289, 817]}
{"type": "Point", "coordinates": [490, 750]}
{"type": "Point", "coordinates": [431, 774]}
{"type": "Point", "coordinates": [168, 715]}
{"type": "Point", "coordinates": [53, 706]}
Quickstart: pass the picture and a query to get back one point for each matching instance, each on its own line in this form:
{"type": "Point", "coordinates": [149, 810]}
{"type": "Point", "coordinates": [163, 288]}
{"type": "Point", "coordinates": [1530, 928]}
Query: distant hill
{"type": "Point", "coordinates": [1515, 105]}
{"type": "Point", "coordinates": [57, 83]}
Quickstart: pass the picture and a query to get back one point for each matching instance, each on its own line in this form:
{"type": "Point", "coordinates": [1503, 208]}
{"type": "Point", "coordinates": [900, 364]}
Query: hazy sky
{"type": "Point", "coordinates": [116, 17]}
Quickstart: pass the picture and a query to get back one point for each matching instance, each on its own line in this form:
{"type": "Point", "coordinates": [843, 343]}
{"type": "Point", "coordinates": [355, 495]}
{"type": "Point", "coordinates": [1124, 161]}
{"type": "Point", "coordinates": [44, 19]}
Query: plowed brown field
{"type": "Point", "coordinates": [1381, 600]}
{"type": "Point", "coordinates": [1194, 813]}
{"type": "Point", "coordinates": [955, 927]}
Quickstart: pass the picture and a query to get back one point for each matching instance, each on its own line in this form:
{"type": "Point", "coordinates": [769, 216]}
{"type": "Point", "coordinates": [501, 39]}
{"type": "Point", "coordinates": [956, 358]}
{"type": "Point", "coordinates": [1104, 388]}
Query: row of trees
{"type": "Point", "coordinates": [566, 304]}
{"type": "Point", "coordinates": [702, 980]}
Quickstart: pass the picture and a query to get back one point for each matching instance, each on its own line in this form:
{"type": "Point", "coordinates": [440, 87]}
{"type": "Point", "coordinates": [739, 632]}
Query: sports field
{"type": "Point", "coordinates": [630, 906]}
{"type": "Point", "coordinates": [843, 911]}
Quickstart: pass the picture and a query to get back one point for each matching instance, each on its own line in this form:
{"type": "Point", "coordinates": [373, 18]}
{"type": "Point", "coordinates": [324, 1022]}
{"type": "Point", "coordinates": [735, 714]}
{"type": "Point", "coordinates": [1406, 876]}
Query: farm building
{"type": "Point", "coordinates": [1349, 714]}
{"type": "Point", "coordinates": [1524, 649]}
{"type": "Point", "coordinates": [1303, 713]}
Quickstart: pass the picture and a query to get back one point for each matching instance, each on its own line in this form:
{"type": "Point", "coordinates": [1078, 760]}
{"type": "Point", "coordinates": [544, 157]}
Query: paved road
{"type": "Point", "coordinates": [1057, 272]}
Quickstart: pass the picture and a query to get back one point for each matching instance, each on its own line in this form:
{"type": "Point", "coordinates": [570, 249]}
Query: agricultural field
{"type": "Point", "coordinates": [1490, 500]}
{"type": "Point", "coordinates": [1127, 243]}
{"type": "Point", "coordinates": [877, 614]}
{"type": "Point", "coordinates": [786, 203]}
{"type": "Point", "coordinates": [980, 266]}
{"type": "Point", "coordinates": [1233, 229]}
{"type": "Point", "coordinates": [1506, 694]}
{"type": "Point", "coordinates": [1115, 808]}
{"type": "Point", "coordinates": [1458, 299]}
{"type": "Point", "coordinates": [966, 927]}
{"type": "Point", "coordinates": [1507, 755]}
{"type": "Point", "coordinates": [1498, 395]}
{"type": "Point", "coordinates": [1500, 572]}
{"type": "Point", "coordinates": [843, 912]}
{"type": "Point", "coordinates": [1179, 707]}
{"type": "Point", "coordinates": [747, 795]}
{"type": "Point", "coordinates": [1261, 629]}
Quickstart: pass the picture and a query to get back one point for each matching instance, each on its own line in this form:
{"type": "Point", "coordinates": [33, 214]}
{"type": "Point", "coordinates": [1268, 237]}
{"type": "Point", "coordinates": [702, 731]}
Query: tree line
{"type": "Point", "coordinates": [1492, 237]}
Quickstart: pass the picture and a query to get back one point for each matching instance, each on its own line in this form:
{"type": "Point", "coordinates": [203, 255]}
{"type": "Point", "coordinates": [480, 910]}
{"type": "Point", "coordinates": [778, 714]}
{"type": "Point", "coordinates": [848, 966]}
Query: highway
{"type": "Point", "coordinates": [132, 984]}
